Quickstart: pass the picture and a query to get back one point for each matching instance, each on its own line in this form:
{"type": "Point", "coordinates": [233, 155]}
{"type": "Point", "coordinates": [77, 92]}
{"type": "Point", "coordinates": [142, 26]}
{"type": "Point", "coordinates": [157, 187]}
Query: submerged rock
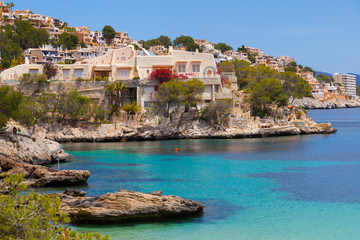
{"type": "Point", "coordinates": [40, 176]}
{"type": "Point", "coordinates": [125, 205]}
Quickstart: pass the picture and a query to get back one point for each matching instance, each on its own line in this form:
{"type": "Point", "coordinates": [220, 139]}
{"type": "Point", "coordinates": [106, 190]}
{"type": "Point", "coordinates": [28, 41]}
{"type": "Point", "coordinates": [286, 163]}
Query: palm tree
{"type": "Point", "coordinates": [115, 88]}
{"type": "Point", "coordinates": [110, 88]}
{"type": "Point", "coordinates": [10, 5]}
{"type": "Point", "coordinates": [119, 88]}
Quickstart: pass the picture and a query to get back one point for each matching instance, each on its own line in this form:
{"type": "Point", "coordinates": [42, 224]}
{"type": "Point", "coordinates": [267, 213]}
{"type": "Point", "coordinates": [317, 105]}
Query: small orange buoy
{"type": "Point", "coordinates": [176, 149]}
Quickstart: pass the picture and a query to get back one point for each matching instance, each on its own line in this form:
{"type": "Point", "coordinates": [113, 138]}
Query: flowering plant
{"type": "Point", "coordinates": [162, 75]}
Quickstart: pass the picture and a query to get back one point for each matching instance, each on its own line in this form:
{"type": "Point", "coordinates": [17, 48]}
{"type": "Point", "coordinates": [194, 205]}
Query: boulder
{"type": "Point", "coordinates": [40, 176]}
{"type": "Point", "coordinates": [31, 150]}
{"type": "Point", "coordinates": [124, 206]}
{"type": "Point", "coordinates": [74, 192]}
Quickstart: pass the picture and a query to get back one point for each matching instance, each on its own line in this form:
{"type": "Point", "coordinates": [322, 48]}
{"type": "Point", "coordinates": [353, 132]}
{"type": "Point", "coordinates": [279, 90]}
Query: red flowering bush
{"type": "Point", "coordinates": [165, 75]}
{"type": "Point", "coordinates": [162, 75]}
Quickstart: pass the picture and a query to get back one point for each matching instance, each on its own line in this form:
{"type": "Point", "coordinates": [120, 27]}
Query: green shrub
{"type": "Point", "coordinates": [32, 215]}
{"type": "Point", "coordinates": [28, 78]}
{"type": "Point", "coordinates": [218, 112]}
{"type": "Point", "coordinates": [131, 108]}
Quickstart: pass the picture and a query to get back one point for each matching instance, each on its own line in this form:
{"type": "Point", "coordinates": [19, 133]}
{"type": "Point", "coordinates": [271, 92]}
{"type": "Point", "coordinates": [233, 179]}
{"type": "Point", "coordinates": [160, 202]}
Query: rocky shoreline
{"type": "Point", "coordinates": [41, 176]}
{"type": "Point", "coordinates": [22, 154]}
{"type": "Point", "coordinates": [191, 130]}
{"type": "Point", "coordinates": [311, 103]}
{"type": "Point", "coordinates": [33, 150]}
{"type": "Point", "coordinates": [125, 206]}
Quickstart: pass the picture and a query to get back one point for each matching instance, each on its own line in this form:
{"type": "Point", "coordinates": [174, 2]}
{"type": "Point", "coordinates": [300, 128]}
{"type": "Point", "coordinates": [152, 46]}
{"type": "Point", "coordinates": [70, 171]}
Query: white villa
{"type": "Point", "coordinates": [125, 65]}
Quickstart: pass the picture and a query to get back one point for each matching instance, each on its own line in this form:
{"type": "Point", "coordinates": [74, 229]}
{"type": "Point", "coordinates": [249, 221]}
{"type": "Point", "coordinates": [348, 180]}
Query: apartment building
{"type": "Point", "coordinates": [158, 50]}
{"type": "Point", "coordinates": [348, 81]}
{"type": "Point", "coordinates": [257, 51]}
{"type": "Point", "coordinates": [235, 54]}
{"type": "Point", "coordinates": [200, 42]}
{"type": "Point", "coordinates": [285, 60]}
{"type": "Point", "coordinates": [47, 55]}
{"type": "Point", "coordinates": [122, 39]}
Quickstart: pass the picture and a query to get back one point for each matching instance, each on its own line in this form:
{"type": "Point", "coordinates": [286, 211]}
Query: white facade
{"type": "Point", "coordinates": [348, 81]}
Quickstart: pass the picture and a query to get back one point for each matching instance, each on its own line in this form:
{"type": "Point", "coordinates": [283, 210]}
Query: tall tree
{"type": "Point", "coordinates": [9, 104]}
{"type": "Point", "coordinates": [223, 47]}
{"type": "Point", "coordinates": [294, 85]}
{"type": "Point", "coordinates": [28, 36]}
{"type": "Point", "coordinates": [115, 90]}
{"type": "Point", "coordinates": [323, 78]}
{"type": "Point", "coordinates": [242, 49]}
{"type": "Point", "coordinates": [68, 41]}
{"type": "Point", "coordinates": [162, 41]}
{"type": "Point", "coordinates": [108, 33]}
{"type": "Point", "coordinates": [178, 93]}
{"type": "Point", "coordinates": [265, 93]}
{"type": "Point", "coordinates": [186, 41]}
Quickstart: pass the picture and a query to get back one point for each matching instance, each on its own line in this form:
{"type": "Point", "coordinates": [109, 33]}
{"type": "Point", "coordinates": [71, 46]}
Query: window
{"type": "Point", "coordinates": [196, 68]}
{"type": "Point", "coordinates": [33, 71]}
{"type": "Point", "coordinates": [124, 73]}
{"type": "Point", "coordinates": [79, 73]}
{"type": "Point", "coordinates": [66, 73]}
{"type": "Point", "coordinates": [181, 68]}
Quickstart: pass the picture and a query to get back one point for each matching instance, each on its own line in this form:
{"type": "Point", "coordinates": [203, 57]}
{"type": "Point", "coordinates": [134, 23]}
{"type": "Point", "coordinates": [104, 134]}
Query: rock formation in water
{"type": "Point", "coordinates": [124, 206]}
{"type": "Point", "coordinates": [34, 150]}
{"type": "Point", "coordinates": [40, 176]}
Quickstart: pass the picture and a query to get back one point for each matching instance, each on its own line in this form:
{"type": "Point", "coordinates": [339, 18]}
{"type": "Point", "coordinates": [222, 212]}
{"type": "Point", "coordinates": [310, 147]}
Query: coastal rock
{"type": "Point", "coordinates": [40, 176]}
{"type": "Point", "coordinates": [32, 150]}
{"type": "Point", "coordinates": [125, 205]}
{"type": "Point", "coordinates": [311, 103]}
{"type": "Point", "coordinates": [74, 192]}
{"type": "Point", "coordinates": [185, 130]}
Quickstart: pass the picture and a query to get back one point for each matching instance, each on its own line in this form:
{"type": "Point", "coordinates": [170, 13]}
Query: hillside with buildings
{"type": "Point", "coordinates": [123, 77]}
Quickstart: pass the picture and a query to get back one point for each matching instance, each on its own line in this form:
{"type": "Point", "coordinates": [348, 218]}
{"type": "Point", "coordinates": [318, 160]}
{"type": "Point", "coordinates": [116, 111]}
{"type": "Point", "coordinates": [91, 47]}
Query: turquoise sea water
{"type": "Point", "coordinates": [299, 187]}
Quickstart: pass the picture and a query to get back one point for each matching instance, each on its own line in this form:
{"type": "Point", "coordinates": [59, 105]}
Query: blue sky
{"type": "Point", "coordinates": [322, 34]}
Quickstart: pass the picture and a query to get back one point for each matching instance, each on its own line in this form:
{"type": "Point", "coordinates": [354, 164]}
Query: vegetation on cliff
{"type": "Point", "coordinates": [15, 39]}
{"type": "Point", "coordinates": [32, 215]}
{"type": "Point", "coordinates": [265, 86]}
{"type": "Point", "coordinates": [69, 107]}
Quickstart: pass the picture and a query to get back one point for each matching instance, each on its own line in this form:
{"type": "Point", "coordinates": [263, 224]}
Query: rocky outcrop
{"type": "Point", "coordinates": [311, 103]}
{"type": "Point", "coordinates": [34, 150]}
{"type": "Point", "coordinates": [124, 206]}
{"type": "Point", "coordinates": [187, 130]}
{"type": "Point", "coordinates": [40, 176]}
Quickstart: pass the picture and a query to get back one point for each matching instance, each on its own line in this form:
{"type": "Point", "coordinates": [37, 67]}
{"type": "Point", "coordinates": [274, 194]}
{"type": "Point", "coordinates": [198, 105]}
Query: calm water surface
{"type": "Point", "coordinates": [300, 187]}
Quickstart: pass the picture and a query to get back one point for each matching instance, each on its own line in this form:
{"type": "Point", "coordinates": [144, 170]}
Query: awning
{"type": "Point", "coordinates": [124, 67]}
{"type": "Point", "coordinates": [196, 61]}
{"type": "Point", "coordinates": [163, 66]}
{"type": "Point", "coordinates": [102, 69]}
{"type": "Point", "coordinates": [182, 61]}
